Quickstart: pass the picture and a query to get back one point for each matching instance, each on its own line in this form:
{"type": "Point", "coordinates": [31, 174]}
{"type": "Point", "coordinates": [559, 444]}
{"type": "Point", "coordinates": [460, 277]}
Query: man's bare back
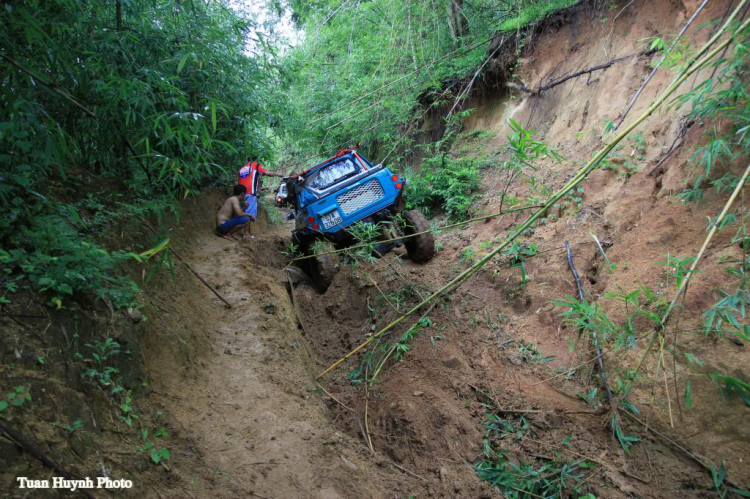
{"type": "Point", "coordinates": [230, 208]}
{"type": "Point", "coordinates": [230, 218]}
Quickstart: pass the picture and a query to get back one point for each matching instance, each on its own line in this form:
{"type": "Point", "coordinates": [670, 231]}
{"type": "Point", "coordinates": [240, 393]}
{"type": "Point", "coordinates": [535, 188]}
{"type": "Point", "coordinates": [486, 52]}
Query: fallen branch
{"type": "Point", "coordinates": [407, 471]}
{"type": "Point", "coordinates": [190, 268]}
{"type": "Point", "coordinates": [599, 354]}
{"type": "Point", "coordinates": [658, 64]}
{"type": "Point", "coordinates": [582, 72]}
{"type": "Point", "coordinates": [677, 446]}
{"type": "Point", "coordinates": [35, 451]}
{"type": "Point", "coordinates": [336, 400]}
{"type": "Point", "coordinates": [700, 59]}
{"type": "Point", "coordinates": [367, 415]}
{"type": "Point", "coordinates": [499, 408]}
{"type": "Point", "coordinates": [676, 144]}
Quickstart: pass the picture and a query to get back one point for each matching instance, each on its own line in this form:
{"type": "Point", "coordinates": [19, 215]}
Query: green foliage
{"type": "Point", "coordinates": [530, 353]}
{"type": "Point", "coordinates": [517, 254]}
{"type": "Point", "coordinates": [292, 251]}
{"type": "Point", "coordinates": [127, 412]}
{"type": "Point", "coordinates": [557, 478]}
{"type": "Point", "coordinates": [109, 119]}
{"type": "Point", "coordinates": [406, 294]}
{"type": "Point", "coordinates": [468, 255]}
{"type": "Point", "coordinates": [100, 372]}
{"type": "Point", "coordinates": [678, 268]}
{"type": "Point", "coordinates": [719, 476]}
{"type": "Point", "coordinates": [723, 95]}
{"type": "Point", "coordinates": [71, 428]}
{"type": "Point", "coordinates": [525, 149]}
{"type": "Point", "coordinates": [402, 346]}
{"type": "Point", "coordinates": [445, 182]}
{"type": "Point", "coordinates": [368, 71]}
{"type": "Point", "coordinates": [50, 257]}
{"type": "Point", "coordinates": [375, 360]}
{"type": "Point", "coordinates": [728, 314]}
{"type": "Point", "coordinates": [732, 385]}
{"type": "Point", "coordinates": [590, 397]}
{"type": "Point", "coordinates": [157, 455]}
{"type": "Point", "coordinates": [627, 163]}
{"type": "Point", "coordinates": [14, 399]}
{"type": "Point", "coordinates": [366, 234]}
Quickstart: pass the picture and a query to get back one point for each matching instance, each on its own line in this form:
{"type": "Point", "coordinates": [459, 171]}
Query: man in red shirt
{"type": "Point", "coordinates": [249, 176]}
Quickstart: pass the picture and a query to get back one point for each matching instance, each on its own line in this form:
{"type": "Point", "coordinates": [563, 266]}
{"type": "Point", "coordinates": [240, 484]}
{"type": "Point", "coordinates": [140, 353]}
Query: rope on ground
{"type": "Point", "coordinates": [700, 59]}
{"type": "Point", "coordinates": [189, 267]}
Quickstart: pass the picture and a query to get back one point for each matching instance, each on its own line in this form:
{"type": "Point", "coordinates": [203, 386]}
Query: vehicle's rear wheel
{"type": "Point", "coordinates": [420, 248]}
{"type": "Point", "coordinates": [325, 266]}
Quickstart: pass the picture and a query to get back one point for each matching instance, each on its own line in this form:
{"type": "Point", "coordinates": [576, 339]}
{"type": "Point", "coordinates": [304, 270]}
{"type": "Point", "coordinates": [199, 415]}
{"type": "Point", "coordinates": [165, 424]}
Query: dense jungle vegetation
{"type": "Point", "coordinates": [113, 111]}
{"type": "Point", "coordinates": [117, 110]}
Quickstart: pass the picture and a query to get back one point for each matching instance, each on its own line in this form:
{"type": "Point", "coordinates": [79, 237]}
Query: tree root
{"type": "Point", "coordinates": [35, 451]}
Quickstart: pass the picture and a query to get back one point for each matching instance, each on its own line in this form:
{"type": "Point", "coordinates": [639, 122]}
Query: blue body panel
{"type": "Point", "coordinates": [319, 203]}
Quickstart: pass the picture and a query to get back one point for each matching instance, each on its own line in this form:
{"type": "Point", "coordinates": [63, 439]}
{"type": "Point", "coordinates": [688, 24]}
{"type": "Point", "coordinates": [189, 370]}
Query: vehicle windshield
{"type": "Point", "coordinates": [332, 174]}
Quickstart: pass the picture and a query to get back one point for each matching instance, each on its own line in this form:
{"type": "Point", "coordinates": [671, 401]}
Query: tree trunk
{"type": "Point", "coordinates": [456, 18]}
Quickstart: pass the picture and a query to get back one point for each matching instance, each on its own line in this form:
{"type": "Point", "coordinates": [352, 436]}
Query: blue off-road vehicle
{"type": "Point", "coordinates": [343, 190]}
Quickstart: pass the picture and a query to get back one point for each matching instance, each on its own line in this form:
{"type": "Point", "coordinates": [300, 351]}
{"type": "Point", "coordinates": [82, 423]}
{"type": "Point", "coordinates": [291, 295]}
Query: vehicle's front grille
{"type": "Point", "coordinates": [361, 196]}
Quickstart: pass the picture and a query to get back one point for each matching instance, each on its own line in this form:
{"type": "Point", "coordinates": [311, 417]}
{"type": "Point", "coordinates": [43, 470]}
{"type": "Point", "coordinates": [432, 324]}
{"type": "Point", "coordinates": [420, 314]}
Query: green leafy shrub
{"type": "Point", "coordinates": [50, 257]}
{"type": "Point", "coordinates": [445, 183]}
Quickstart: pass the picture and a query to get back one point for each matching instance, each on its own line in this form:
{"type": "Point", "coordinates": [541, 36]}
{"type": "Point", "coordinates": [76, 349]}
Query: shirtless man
{"type": "Point", "coordinates": [230, 218]}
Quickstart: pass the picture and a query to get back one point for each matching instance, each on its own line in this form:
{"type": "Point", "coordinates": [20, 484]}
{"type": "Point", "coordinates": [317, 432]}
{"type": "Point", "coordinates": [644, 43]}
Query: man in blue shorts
{"type": "Point", "coordinates": [230, 218]}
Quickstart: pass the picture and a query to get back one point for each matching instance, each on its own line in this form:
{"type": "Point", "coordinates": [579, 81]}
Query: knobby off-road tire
{"type": "Point", "coordinates": [420, 248]}
{"type": "Point", "coordinates": [323, 268]}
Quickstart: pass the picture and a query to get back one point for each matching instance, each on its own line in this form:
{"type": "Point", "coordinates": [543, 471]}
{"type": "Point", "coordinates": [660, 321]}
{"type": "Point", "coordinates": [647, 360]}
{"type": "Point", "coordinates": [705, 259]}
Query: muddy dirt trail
{"type": "Point", "coordinates": [238, 385]}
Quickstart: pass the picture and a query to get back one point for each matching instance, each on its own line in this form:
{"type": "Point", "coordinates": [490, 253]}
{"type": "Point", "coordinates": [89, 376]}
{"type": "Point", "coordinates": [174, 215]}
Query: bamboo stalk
{"type": "Point", "coordinates": [579, 177]}
{"type": "Point", "coordinates": [393, 348]}
{"type": "Point", "coordinates": [367, 415]}
{"type": "Point", "coordinates": [683, 287]}
{"type": "Point", "coordinates": [658, 65]}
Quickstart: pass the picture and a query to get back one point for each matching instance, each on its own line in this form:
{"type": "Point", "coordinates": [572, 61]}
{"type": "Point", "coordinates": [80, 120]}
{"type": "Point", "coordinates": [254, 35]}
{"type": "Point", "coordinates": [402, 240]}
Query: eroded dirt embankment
{"type": "Point", "coordinates": [427, 410]}
{"type": "Point", "coordinates": [237, 385]}
{"type": "Point", "coordinates": [494, 344]}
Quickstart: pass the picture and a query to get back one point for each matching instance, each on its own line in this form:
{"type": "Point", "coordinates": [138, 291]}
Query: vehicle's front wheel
{"type": "Point", "coordinates": [420, 248]}
{"type": "Point", "coordinates": [325, 265]}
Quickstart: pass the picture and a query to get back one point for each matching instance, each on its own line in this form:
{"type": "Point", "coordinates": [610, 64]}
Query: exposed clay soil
{"type": "Point", "coordinates": [236, 387]}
